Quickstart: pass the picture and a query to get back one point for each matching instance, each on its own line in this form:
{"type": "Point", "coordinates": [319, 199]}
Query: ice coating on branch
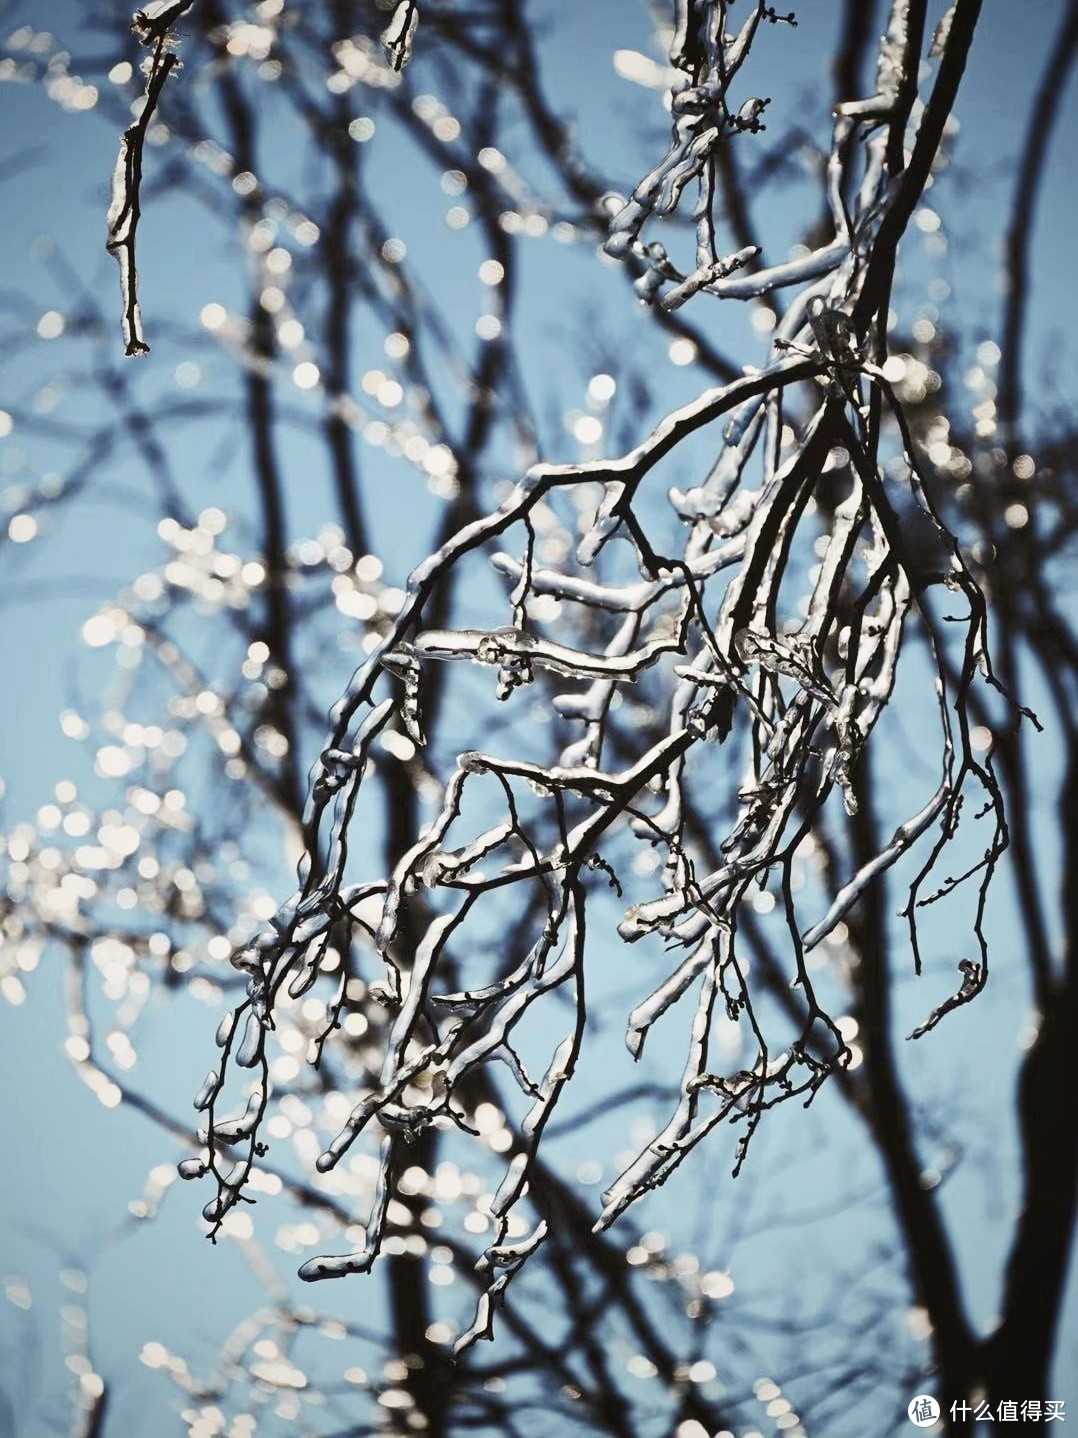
{"type": "Point", "coordinates": [561, 1069]}
{"type": "Point", "coordinates": [974, 977]}
{"type": "Point", "coordinates": [152, 24]}
{"type": "Point", "coordinates": [482, 1325]}
{"type": "Point", "coordinates": [339, 768]}
{"type": "Point", "coordinates": [767, 616]}
{"type": "Point", "coordinates": [156, 19]}
{"type": "Point", "coordinates": [509, 1189]}
{"type": "Point", "coordinates": [339, 1267]}
{"type": "Point", "coordinates": [709, 58]}
{"type": "Point", "coordinates": [668, 992]}
{"type": "Point", "coordinates": [490, 1043]}
{"type": "Point", "coordinates": [122, 218]}
{"type": "Point", "coordinates": [800, 271]}
{"type": "Point", "coordinates": [603, 526]}
{"type": "Point", "coordinates": [426, 955]}
{"type": "Point", "coordinates": [399, 35]}
{"type": "Point", "coordinates": [890, 68]}
{"type": "Point", "coordinates": [500, 1255]}
{"type": "Point", "coordinates": [440, 865]}
{"type": "Point", "coordinates": [231, 1130]}
{"type": "Point", "coordinates": [495, 647]}
{"type": "Point", "coordinates": [903, 837]}
{"type": "Point", "coordinates": [643, 1171]}
{"type": "Point", "coordinates": [941, 34]}
{"type": "Point", "coordinates": [708, 276]}
{"type": "Point", "coordinates": [304, 978]}
{"type": "Point", "coordinates": [360, 1262]}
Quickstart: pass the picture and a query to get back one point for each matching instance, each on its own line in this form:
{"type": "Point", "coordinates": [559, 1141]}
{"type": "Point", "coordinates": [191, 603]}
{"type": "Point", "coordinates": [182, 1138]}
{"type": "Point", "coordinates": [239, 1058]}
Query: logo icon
{"type": "Point", "coordinates": [923, 1411]}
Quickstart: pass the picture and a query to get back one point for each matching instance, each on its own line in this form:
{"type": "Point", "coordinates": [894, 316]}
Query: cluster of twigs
{"type": "Point", "coordinates": [740, 639]}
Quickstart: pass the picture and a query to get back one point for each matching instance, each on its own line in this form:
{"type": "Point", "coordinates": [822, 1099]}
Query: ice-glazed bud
{"type": "Point", "coordinates": [748, 117]}
{"type": "Point", "coordinates": [213, 1210]}
{"type": "Point", "coordinates": [410, 709]}
{"type": "Point", "coordinates": [433, 869]}
{"type": "Point", "coordinates": [250, 1049]}
{"type": "Point", "coordinates": [206, 1092]}
{"type": "Point", "coordinates": [224, 1030]}
{"type": "Point", "coordinates": [231, 1130]}
{"type": "Point", "coordinates": [328, 1267]}
{"type": "Point", "coordinates": [302, 981]}
{"type": "Point", "coordinates": [692, 101]}
{"type": "Point", "coordinates": [191, 1168]}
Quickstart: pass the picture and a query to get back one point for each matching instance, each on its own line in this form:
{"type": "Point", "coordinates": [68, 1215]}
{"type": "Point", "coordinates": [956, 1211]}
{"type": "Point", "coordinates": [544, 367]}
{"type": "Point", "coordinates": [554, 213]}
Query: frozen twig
{"type": "Point", "coordinates": [153, 27]}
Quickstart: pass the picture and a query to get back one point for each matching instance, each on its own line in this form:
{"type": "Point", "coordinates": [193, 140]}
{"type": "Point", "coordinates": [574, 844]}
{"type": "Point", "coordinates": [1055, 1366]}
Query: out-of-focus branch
{"type": "Point", "coordinates": [911, 180]}
{"type": "Point", "coordinates": [1043, 117]}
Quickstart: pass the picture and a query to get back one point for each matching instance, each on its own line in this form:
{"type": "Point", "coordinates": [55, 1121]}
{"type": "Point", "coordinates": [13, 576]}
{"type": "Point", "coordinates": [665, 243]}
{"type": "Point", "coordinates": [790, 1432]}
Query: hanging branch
{"type": "Point", "coordinates": [737, 638]}
{"type": "Point", "coordinates": [153, 27]}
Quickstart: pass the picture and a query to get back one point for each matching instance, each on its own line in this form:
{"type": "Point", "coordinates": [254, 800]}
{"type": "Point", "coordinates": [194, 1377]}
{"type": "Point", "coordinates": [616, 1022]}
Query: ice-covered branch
{"type": "Point", "coordinates": [762, 638]}
{"type": "Point", "coordinates": [153, 26]}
